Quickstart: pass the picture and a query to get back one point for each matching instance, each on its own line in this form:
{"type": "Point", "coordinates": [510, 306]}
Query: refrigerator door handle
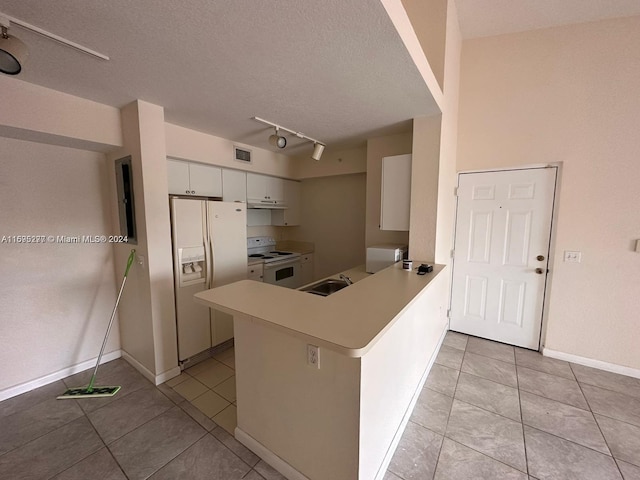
{"type": "Point", "coordinates": [207, 246]}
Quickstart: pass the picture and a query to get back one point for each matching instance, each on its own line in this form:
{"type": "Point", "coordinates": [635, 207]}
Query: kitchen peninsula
{"type": "Point", "coordinates": [342, 416]}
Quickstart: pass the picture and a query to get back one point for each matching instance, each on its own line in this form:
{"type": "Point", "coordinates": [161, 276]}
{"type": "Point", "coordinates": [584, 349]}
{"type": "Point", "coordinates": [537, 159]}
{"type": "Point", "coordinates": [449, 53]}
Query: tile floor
{"type": "Point", "coordinates": [488, 411]}
{"type": "Point", "coordinates": [492, 411]}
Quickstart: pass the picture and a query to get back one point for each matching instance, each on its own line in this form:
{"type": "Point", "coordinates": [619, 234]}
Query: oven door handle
{"type": "Point", "coordinates": [283, 263]}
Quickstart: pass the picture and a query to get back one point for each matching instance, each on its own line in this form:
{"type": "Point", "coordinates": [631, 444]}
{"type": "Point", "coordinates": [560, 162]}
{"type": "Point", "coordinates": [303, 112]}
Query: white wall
{"type": "Point", "coordinates": [56, 298]}
{"type": "Point", "coordinates": [570, 95]}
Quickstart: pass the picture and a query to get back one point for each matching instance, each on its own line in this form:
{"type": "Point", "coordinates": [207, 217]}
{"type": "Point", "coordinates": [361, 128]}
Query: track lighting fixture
{"type": "Point", "coordinates": [281, 142]}
{"type": "Point", "coordinates": [277, 141]}
{"type": "Point", "coordinates": [318, 148]}
{"type": "Point", "coordinates": [13, 52]}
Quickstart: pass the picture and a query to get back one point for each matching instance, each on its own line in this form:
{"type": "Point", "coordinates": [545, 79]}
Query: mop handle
{"type": "Point", "coordinates": [113, 314]}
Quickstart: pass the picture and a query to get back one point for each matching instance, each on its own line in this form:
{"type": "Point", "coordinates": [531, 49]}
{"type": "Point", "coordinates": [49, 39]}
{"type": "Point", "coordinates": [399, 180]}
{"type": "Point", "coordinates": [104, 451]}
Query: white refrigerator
{"type": "Point", "coordinates": [209, 241]}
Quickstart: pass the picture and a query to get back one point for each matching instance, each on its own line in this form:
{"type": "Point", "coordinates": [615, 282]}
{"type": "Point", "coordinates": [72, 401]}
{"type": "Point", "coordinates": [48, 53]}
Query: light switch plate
{"type": "Point", "coordinates": [572, 256]}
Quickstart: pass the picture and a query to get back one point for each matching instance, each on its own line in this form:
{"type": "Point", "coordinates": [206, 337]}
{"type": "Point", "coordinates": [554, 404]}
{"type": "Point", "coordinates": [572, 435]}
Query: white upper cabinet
{"type": "Point", "coordinates": [396, 193]}
{"type": "Point", "coordinates": [187, 178]}
{"type": "Point", "coordinates": [291, 215]}
{"type": "Point", "coordinates": [264, 189]}
{"type": "Point", "coordinates": [234, 186]}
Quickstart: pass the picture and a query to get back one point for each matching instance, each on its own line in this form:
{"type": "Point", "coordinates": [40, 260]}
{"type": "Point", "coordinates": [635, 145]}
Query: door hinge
{"type": "Point", "coordinates": [449, 313]}
{"type": "Point", "coordinates": [453, 252]}
{"type": "Point", "coordinates": [455, 191]}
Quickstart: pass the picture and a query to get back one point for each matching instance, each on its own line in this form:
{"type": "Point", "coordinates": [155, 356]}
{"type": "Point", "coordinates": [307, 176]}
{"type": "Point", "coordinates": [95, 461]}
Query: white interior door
{"type": "Point", "coordinates": [503, 227]}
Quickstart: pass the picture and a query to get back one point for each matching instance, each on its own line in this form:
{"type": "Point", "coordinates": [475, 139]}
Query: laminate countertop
{"type": "Point", "coordinates": [349, 321]}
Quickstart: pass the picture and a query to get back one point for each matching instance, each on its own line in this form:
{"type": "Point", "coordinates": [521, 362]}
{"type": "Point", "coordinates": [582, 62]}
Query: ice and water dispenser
{"type": "Point", "coordinates": [192, 266]}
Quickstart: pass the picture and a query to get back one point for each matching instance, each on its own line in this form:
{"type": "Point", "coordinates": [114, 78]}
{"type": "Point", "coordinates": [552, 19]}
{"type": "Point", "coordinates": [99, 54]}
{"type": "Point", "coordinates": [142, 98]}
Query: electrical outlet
{"type": "Point", "coordinates": [572, 257]}
{"type": "Point", "coordinates": [313, 356]}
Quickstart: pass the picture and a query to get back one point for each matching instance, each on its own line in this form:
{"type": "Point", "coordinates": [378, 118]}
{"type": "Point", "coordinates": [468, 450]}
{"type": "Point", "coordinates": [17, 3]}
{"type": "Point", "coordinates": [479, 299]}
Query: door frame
{"type": "Point", "coordinates": [552, 236]}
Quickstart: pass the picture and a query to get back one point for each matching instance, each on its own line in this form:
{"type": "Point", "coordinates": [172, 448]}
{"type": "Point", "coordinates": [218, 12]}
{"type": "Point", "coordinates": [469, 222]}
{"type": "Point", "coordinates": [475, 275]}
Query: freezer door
{"type": "Point", "coordinates": [193, 320]}
{"type": "Point", "coordinates": [228, 242]}
{"type": "Point", "coordinates": [228, 250]}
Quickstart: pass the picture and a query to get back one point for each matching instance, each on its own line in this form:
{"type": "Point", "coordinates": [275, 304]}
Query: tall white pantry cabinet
{"type": "Point", "coordinates": [395, 197]}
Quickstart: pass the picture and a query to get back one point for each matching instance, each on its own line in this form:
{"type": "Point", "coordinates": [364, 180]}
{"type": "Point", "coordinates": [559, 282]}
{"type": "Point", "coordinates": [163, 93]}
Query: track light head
{"type": "Point", "coordinates": [13, 52]}
{"type": "Point", "coordinates": [277, 141]}
{"type": "Point", "coordinates": [318, 148]}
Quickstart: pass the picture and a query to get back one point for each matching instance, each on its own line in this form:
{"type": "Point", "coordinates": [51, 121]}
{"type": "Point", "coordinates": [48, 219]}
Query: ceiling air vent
{"type": "Point", "coordinates": [242, 154]}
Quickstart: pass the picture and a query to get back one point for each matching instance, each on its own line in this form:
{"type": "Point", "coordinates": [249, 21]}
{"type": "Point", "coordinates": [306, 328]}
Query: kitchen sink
{"type": "Point", "coordinates": [326, 287]}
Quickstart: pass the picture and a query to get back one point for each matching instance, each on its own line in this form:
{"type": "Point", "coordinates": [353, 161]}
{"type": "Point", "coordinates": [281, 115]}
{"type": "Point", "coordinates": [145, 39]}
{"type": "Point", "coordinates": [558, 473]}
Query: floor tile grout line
{"type": "Point", "coordinates": [548, 373]}
{"type": "Point", "coordinates": [598, 425]}
{"type": "Point", "coordinates": [491, 380]}
{"type": "Point", "coordinates": [446, 427]}
{"type": "Point", "coordinates": [580, 382]}
{"type": "Point", "coordinates": [524, 438]}
{"type": "Point", "coordinates": [485, 455]}
{"type": "Point", "coordinates": [48, 431]}
{"type": "Point", "coordinates": [104, 446]}
{"type": "Point", "coordinates": [616, 419]}
{"type": "Point", "coordinates": [571, 441]}
{"type": "Point", "coordinates": [241, 459]}
{"type": "Point", "coordinates": [553, 399]}
{"type": "Point", "coordinates": [448, 418]}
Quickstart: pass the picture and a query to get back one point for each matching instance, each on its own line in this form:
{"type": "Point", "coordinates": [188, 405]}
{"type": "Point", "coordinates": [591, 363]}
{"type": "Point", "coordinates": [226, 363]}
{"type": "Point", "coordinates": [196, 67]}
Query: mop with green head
{"type": "Point", "coordinates": [92, 391]}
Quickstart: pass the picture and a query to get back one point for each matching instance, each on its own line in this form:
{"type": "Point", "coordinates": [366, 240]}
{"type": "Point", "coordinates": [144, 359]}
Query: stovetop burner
{"type": "Point", "coordinates": [260, 248]}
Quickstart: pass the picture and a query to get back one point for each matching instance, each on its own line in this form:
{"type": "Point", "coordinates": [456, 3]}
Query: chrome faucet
{"type": "Point", "coordinates": [346, 279]}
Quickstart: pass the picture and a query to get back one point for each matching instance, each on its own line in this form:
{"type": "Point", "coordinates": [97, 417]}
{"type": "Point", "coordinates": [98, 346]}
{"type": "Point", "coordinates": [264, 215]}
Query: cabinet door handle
{"type": "Point", "coordinates": [193, 192]}
{"type": "Point", "coordinates": [186, 191]}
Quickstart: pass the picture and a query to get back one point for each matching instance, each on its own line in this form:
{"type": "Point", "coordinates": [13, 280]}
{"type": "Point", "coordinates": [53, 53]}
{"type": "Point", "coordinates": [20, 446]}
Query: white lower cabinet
{"type": "Point", "coordinates": [255, 272]}
{"type": "Point", "coordinates": [306, 268]}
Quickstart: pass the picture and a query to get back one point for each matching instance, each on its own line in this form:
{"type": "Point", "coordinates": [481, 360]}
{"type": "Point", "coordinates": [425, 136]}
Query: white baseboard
{"type": "Point", "coordinates": [148, 374]}
{"type": "Point", "coordinates": [589, 362]}
{"type": "Point", "coordinates": [407, 415]}
{"type": "Point", "coordinates": [168, 375]}
{"type": "Point", "coordinates": [268, 456]}
{"type": "Point", "coordinates": [59, 375]}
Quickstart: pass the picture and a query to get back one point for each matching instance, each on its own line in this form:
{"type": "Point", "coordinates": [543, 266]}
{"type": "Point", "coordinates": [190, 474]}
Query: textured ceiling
{"type": "Point", "coordinates": [334, 70]}
{"type": "Point", "coordinates": [484, 18]}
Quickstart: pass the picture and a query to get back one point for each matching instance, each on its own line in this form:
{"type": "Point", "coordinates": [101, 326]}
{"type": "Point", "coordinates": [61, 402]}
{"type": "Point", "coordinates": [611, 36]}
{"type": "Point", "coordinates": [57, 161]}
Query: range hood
{"type": "Point", "coordinates": [265, 205]}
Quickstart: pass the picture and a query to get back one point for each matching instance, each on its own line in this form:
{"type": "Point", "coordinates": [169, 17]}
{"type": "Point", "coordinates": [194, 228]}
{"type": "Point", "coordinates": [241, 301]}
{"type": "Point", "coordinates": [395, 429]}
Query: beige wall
{"type": "Point", "coordinates": [56, 298]}
{"type": "Point", "coordinates": [188, 144]}
{"type": "Point", "coordinates": [147, 313]}
{"type": "Point", "coordinates": [570, 95]}
{"type": "Point", "coordinates": [424, 187]}
{"type": "Point", "coordinates": [377, 148]}
{"type": "Point", "coordinates": [447, 179]}
{"type": "Point", "coordinates": [333, 213]}
{"type": "Point", "coordinates": [429, 20]}
{"type": "Point", "coordinates": [34, 113]}
{"type": "Point", "coordinates": [333, 162]}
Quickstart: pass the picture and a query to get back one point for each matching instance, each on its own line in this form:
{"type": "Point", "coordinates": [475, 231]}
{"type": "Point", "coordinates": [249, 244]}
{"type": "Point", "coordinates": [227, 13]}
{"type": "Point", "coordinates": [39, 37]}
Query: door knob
{"type": "Point", "coordinates": [539, 271]}
{"type": "Point", "coordinates": [540, 258]}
